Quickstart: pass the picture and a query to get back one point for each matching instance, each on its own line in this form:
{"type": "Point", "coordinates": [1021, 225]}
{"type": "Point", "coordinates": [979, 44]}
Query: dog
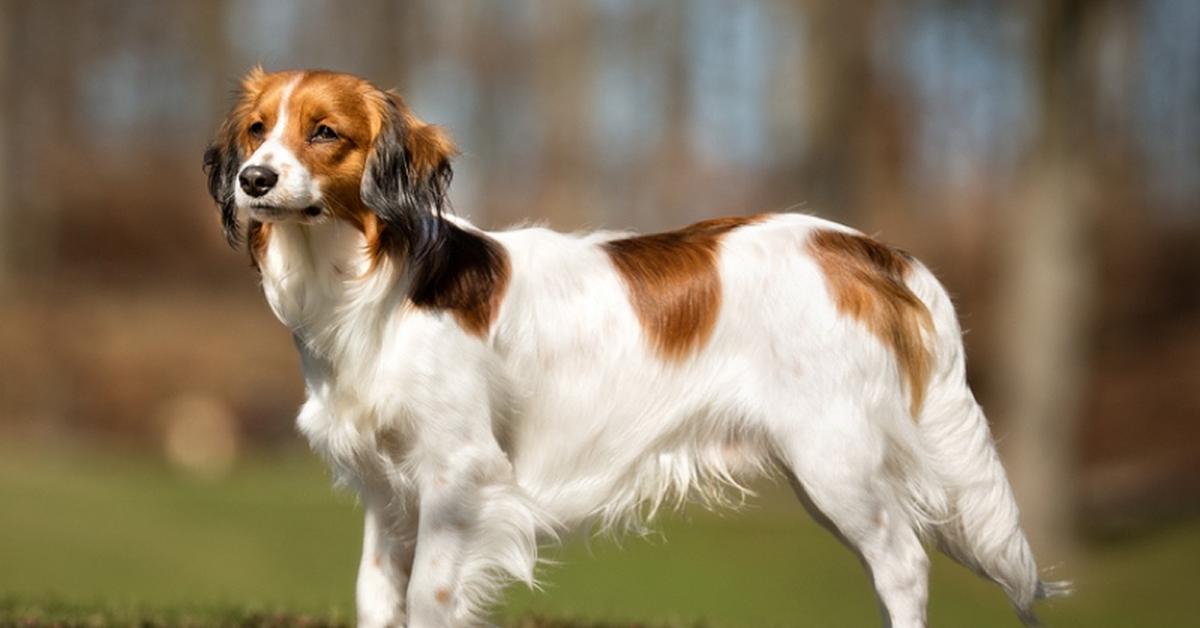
{"type": "Point", "coordinates": [484, 392]}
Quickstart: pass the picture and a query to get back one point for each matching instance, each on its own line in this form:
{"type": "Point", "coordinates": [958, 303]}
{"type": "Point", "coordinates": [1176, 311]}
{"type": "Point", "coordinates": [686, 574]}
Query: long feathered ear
{"type": "Point", "coordinates": [407, 177]}
{"type": "Point", "coordinates": [222, 160]}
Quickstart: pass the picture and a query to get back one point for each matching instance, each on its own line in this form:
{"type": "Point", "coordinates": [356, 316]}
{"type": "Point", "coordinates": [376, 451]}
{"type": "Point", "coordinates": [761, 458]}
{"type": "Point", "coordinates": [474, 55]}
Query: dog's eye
{"type": "Point", "coordinates": [323, 134]}
{"type": "Point", "coordinates": [257, 129]}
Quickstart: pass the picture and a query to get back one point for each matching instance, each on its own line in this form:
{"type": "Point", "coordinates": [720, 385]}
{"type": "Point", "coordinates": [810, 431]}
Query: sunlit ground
{"type": "Point", "coordinates": [128, 532]}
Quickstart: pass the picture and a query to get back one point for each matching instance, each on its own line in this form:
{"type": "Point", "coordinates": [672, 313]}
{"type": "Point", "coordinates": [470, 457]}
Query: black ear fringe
{"type": "Point", "coordinates": [221, 164]}
{"type": "Point", "coordinates": [409, 203]}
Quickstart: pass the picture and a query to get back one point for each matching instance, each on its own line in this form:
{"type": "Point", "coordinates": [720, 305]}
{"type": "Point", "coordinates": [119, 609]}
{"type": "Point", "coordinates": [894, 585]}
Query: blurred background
{"type": "Point", "coordinates": [1043, 157]}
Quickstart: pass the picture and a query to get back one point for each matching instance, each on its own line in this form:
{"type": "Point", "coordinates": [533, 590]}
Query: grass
{"type": "Point", "coordinates": [89, 539]}
{"type": "Point", "coordinates": [27, 613]}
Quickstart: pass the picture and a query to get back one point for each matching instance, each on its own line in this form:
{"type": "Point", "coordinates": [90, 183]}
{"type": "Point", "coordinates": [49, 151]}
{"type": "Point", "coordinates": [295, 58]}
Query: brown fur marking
{"type": "Point", "coordinates": [673, 282]}
{"type": "Point", "coordinates": [468, 276]}
{"type": "Point", "coordinates": [429, 149]}
{"type": "Point", "coordinates": [339, 102]}
{"type": "Point", "coordinates": [469, 272]}
{"type": "Point", "coordinates": [258, 237]}
{"type": "Point", "coordinates": [866, 280]}
{"type": "Point", "coordinates": [428, 144]}
{"type": "Point", "coordinates": [342, 102]}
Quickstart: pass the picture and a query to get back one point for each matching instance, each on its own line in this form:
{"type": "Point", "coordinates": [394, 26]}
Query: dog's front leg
{"type": "Point", "coordinates": [387, 555]}
{"type": "Point", "coordinates": [476, 532]}
{"type": "Point", "coordinates": [447, 515]}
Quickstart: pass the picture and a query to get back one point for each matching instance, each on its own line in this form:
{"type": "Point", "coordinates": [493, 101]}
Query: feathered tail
{"type": "Point", "coordinates": [978, 525]}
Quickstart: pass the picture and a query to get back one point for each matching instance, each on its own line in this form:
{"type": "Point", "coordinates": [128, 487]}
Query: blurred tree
{"type": "Point", "coordinates": [42, 103]}
{"type": "Point", "coordinates": [210, 20]}
{"type": "Point", "coordinates": [672, 156]}
{"type": "Point", "coordinates": [901, 118]}
{"type": "Point", "coordinates": [1047, 295]}
{"type": "Point", "coordinates": [564, 87]}
{"type": "Point", "coordinates": [6, 99]}
{"type": "Point", "coordinates": [840, 78]}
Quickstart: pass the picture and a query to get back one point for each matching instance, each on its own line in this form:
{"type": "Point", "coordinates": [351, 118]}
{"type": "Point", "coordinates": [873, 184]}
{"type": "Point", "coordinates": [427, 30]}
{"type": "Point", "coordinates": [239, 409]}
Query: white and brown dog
{"type": "Point", "coordinates": [485, 391]}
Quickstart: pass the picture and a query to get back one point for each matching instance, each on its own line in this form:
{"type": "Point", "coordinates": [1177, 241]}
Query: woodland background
{"type": "Point", "coordinates": [1043, 157]}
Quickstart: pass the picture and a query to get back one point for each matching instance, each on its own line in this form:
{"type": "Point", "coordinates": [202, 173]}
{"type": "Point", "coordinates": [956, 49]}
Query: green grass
{"type": "Point", "coordinates": [102, 540]}
{"type": "Point", "coordinates": [29, 613]}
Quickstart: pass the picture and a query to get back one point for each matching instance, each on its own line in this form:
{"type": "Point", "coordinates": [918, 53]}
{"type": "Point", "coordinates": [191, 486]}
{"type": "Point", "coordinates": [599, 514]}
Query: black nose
{"type": "Point", "coordinates": [257, 180]}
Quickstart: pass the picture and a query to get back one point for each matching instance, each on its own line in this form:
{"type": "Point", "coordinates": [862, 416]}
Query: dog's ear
{"type": "Point", "coordinates": [407, 176]}
{"type": "Point", "coordinates": [222, 160]}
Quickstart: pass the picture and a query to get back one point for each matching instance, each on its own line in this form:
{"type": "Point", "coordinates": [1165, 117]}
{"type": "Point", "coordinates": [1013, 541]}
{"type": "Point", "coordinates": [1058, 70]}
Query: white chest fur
{"type": "Point", "coordinates": [316, 281]}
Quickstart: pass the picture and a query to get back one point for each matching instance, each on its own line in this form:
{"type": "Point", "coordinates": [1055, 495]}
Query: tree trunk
{"type": "Point", "coordinates": [6, 117]}
{"type": "Point", "coordinates": [840, 80]}
{"type": "Point", "coordinates": [1047, 296]}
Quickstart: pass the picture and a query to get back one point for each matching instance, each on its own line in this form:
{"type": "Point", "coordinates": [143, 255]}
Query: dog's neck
{"type": "Point", "coordinates": [319, 281]}
{"type": "Point", "coordinates": [339, 295]}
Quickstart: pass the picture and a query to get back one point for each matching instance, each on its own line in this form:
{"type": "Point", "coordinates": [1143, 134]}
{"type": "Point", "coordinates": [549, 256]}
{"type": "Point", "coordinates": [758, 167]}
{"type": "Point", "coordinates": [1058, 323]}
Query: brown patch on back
{"type": "Point", "coordinates": [866, 280]}
{"type": "Point", "coordinates": [442, 596]}
{"type": "Point", "coordinates": [468, 275]}
{"type": "Point", "coordinates": [673, 282]}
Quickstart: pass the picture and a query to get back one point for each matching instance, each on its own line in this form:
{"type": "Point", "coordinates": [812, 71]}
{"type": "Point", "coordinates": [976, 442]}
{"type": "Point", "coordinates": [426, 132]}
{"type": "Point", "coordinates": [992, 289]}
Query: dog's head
{"type": "Point", "coordinates": [309, 146]}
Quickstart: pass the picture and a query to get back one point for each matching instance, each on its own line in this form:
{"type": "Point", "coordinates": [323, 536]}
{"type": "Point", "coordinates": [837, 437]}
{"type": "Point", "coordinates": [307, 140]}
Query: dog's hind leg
{"type": "Point", "coordinates": [836, 464]}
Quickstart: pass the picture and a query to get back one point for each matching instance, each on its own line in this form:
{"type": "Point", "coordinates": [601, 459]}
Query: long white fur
{"type": "Point", "coordinates": [469, 452]}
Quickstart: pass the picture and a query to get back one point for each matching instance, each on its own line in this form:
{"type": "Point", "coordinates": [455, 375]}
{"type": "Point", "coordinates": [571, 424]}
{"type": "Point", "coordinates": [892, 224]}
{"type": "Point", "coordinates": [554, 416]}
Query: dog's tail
{"type": "Point", "coordinates": [978, 520]}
